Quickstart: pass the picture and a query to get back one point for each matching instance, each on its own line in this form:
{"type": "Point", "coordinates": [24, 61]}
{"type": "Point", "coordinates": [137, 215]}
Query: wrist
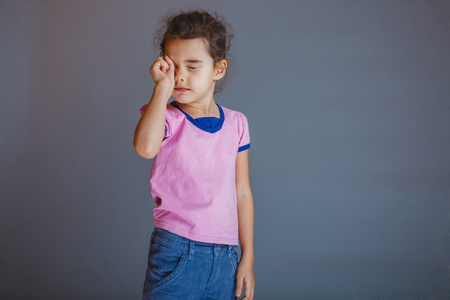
{"type": "Point", "coordinates": [163, 91]}
{"type": "Point", "coordinates": [248, 257]}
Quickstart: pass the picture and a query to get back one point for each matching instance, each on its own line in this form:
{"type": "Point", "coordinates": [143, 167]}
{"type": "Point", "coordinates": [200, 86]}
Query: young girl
{"type": "Point", "coordinates": [200, 175]}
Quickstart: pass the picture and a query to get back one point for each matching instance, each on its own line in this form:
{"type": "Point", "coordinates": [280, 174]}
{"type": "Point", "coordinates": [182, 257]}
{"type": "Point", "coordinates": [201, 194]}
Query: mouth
{"type": "Point", "coordinates": [181, 90]}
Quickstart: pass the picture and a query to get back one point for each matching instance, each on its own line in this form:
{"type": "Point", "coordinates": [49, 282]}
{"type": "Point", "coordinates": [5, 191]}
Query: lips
{"type": "Point", "coordinates": [181, 90]}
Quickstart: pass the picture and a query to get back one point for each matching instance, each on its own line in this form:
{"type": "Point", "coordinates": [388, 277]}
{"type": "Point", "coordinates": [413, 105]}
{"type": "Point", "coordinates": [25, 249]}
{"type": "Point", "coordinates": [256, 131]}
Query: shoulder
{"type": "Point", "coordinates": [173, 113]}
{"type": "Point", "coordinates": [170, 109]}
{"type": "Point", "coordinates": [233, 114]}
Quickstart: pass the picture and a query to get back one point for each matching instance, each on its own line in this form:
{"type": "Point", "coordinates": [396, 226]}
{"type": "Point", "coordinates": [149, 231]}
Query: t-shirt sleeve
{"type": "Point", "coordinates": [244, 134]}
{"type": "Point", "coordinates": [141, 111]}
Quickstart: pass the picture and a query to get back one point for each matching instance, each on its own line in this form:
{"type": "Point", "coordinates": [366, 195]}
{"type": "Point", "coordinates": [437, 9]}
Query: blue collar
{"type": "Point", "coordinates": [200, 125]}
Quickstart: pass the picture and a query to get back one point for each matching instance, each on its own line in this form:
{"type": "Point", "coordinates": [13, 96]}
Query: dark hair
{"type": "Point", "coordinates": [198, 24]}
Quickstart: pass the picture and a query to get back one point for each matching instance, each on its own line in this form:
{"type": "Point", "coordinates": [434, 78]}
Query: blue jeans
{"type": "Point", "coordinates": [181, 268]}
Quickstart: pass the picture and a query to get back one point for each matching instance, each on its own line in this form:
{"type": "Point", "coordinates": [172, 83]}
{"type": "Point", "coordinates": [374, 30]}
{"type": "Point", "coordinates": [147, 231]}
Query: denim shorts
{"type": "Point", "coordinates": [181, 268]}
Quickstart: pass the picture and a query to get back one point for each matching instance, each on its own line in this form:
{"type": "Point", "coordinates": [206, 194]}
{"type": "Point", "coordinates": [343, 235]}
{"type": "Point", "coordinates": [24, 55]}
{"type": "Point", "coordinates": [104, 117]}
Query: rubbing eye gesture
{"type": "Point", "coordinates": [188, 72]}
{"type": "Point", "coordinates": [163, 72]}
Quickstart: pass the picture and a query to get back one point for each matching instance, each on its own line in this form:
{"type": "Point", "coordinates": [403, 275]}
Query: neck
{"type": "Point", "coordinates": [200, 109]}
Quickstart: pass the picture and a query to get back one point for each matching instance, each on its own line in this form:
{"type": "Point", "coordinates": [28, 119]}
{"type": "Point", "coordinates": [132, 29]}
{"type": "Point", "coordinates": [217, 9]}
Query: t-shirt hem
{"type": "Point", "coordinates": [195, 237]}
{"type": "Point", "coordinates": [245, 147]}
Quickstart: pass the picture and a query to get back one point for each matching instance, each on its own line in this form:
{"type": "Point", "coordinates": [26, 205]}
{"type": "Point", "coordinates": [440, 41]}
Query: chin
{"type": "Point", "coordinates": [182, 99]}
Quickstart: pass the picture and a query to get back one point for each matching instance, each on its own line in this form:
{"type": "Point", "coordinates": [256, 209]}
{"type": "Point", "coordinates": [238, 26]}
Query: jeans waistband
{"type": "Point", "coordinates": [172, 240]}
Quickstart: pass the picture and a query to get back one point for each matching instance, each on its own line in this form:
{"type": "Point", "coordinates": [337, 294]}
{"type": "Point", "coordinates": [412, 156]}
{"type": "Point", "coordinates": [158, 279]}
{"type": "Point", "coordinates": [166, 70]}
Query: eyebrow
{"type": "Point", "coordinates": [193, 61]}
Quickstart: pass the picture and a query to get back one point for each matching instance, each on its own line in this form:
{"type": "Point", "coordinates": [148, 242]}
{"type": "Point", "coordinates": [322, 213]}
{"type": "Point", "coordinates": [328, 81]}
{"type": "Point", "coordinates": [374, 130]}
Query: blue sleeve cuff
{"type": "Point", "coordinates": [245, 147]}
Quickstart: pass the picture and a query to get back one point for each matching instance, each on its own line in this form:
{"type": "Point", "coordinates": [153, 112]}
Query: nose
{"type": "Point", "coordinates": [179, 75]}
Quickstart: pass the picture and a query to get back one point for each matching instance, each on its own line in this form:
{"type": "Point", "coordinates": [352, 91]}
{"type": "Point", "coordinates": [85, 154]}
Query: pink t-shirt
{"type": "Point", "coordinates": [193, 175]}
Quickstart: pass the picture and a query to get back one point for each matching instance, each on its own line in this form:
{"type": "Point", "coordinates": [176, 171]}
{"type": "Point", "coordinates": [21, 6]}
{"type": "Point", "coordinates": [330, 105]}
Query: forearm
{"type": "Point", "coordinates": [150, 129]}
{"type": "Point", "coordinates": [246, 217]}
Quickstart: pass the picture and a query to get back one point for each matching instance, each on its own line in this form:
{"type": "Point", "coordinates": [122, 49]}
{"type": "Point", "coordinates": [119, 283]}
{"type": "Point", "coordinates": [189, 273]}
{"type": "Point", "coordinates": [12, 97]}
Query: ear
{"type": "Point", "coordinates": [221, 68]}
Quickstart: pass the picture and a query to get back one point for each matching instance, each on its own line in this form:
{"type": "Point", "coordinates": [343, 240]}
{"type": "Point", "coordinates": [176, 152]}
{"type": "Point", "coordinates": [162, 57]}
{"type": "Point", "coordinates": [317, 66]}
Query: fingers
{"type": "Point", "coordinates": [169, 62]}
{"type": "Point", "coordinates": [162, 64]}
{"type": "Point", "coordinates": [248, 294]}
{"type": "Point", "coordinates": [171, 66]}
{"type": "Point", "coordinates": [249, 289]}
{"type": "Point", "coordinates": [162, 70]}
{"type": "Point", "coordinates": [158, 66]}
{"type": "Point", "coordinates": [239, 282]}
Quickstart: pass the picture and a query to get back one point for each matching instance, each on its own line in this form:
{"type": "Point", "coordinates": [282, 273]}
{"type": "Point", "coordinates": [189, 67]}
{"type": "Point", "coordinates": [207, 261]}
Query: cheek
{"type": "Point", "coordinates": [197, 78]}
{"type": "Point", "coordinates": [207, 77]}
{"type": "Point", "coordinates": [201, 79]}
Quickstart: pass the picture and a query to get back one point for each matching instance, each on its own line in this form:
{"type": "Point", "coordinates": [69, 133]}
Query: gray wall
{"type": "Point", "coordinates": [348, 106]}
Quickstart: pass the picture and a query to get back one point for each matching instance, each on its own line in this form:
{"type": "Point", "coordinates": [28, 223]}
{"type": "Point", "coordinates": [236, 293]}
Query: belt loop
{"type": "Point", "coordinates": [229, 250]}
{"type": "Point", "coordinates": [191, 250]}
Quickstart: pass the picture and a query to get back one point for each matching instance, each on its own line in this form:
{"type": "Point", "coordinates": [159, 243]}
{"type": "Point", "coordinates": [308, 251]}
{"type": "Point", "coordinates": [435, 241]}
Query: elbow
{"type": "Point", "coordinates": [147, 152]}
{"type": "Point", "coordinates": [146, 155]}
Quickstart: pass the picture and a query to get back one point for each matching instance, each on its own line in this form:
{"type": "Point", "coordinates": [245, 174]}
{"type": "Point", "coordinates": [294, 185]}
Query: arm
{"type": "Point", "coordinates": [149, 131]}
{"type": "Point", "coordinates": [246, 215]}
{"type": "Point", "coordinates": [245, 206]}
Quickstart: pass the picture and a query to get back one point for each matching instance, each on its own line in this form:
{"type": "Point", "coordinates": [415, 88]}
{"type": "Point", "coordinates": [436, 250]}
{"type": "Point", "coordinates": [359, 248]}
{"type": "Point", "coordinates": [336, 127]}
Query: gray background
{"type": "Point", "coordinates": [348, 106]}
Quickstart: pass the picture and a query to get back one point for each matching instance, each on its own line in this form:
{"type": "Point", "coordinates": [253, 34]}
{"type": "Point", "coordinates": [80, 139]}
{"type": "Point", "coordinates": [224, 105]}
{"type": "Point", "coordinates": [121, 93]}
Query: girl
{"type": "Point", "coordinates": [199, 177]}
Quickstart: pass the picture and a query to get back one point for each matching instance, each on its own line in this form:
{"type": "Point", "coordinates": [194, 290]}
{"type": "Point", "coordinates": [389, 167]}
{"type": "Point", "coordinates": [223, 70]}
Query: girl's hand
{"type": "Point", "coordinates": [163, 72]}
{"type": "Point", "coordinates": [245, 275]}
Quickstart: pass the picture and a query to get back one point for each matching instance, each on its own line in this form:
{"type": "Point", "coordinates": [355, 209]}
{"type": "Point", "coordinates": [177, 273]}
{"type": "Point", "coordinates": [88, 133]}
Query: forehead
{"type": "Point", "coordinates": [180, 50]}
